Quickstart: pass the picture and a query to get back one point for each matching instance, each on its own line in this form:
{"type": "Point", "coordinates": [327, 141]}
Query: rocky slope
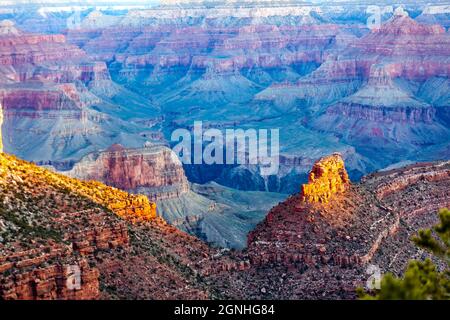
{"type": "Point", "coordinates": [379, 97]}
{"type": "Point", "coordinates": [216, 214]}
{"type": "Point", "coordinates": [318, 243]}
{"type": "Point", "coordinates": [61, 238]}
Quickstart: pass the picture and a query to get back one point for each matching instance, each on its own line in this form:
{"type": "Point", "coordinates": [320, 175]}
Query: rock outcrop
{"type": "Point", "coordinates": [154, 171]}
{"type": "Point", "coordinates": [317, 250]}
{"type": "Point", "coordinates": [133, 207]}
{"type": "Point", "coordinates": [327, 177]}
{"type": "Point", "coordinates": [216, 214]}
{"type": "Point", "coordinates": [36, 279]}
{"type": "Point", "coordinates": [59, 240]}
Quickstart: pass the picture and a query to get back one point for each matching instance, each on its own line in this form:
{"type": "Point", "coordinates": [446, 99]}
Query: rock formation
{"type": "Point", "coordinates": [133, 207]}
{"type": "Point", "coordinates": [316, 72]}
{"type": "Point", "coordinates": [308, 70]}
{"type": "Point", "coordinates": [373, 88]}
{"type": "Point", "coordinates": [217, 215]}
{"type": "Point", "coordinates": [321, 250]}
{"type": "Point", "coordinates": [58, 240]}
{"type": "Point", "coordinates": [48, 88]}
{"type": "Point", "coordinates": [54, 228]}
{"type": "Point", "coordinates": [154, 171]}
{"type": "Point", "coordinates": [37, 280]}
{"type": "Point", "coordinates": [327, 177]}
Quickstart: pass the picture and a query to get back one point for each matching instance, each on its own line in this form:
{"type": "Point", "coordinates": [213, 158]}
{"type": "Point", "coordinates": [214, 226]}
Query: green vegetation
{"type": "Point", "coordinates": [30, 230]}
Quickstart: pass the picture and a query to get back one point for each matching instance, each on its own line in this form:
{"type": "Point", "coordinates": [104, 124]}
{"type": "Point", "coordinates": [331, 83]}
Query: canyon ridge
{"type": "Point", "coordinates": [89, 182]}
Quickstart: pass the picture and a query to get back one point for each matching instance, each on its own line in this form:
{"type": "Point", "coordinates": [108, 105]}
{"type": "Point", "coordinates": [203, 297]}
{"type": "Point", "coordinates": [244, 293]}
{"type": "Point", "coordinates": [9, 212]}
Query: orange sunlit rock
{"type": "Point", "coordinates": [131, 207]}
{"type": "Point", "coordinates": [61, 238]}
{"type": "Point", "coordinates": [327, 177]}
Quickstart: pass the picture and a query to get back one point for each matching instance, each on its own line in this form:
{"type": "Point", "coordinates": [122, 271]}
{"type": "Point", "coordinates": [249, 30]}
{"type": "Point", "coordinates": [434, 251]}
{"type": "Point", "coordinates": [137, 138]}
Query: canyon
{"type": "Point", "coordinates": [134, 77]}
{"type": "Point", "coordinates": [51, 225]}
{"type": "Point", "coordinates": [216, 214]}
{"type": "Point", "coordinates": [322, 249]}
{"type": "Point", "coordinates": [55, 92]}
{"type": "Point", "coordinates": [89, 186]}
{"type": "Point", "coordinates": [53, 228]}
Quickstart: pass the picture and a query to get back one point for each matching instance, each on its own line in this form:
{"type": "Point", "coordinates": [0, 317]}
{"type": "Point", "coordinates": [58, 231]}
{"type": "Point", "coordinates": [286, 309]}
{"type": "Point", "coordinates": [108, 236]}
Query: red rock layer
{"type": "Point", "coordinates": [52, 226]}
{"type": "Point", "coordinates": [34, 278]}
{"type": "Point", "coordinates": [167, 46]}
{"type": "Point", "coordinates": [154, 170]}
{"type": "Point", "coordinates": [38, 73]}
{"type": "Point", "coordinates": [403, 47]}
{"type": "Point", "coordinates": [314, 250]}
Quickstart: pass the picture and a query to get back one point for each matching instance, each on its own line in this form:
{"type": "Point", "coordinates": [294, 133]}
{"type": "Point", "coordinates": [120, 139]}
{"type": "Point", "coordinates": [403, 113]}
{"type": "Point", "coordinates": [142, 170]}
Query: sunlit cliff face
{"type": "Point", "coordinates": [133, 208]}
{"type": "Point", "coordinates": [327, 177]}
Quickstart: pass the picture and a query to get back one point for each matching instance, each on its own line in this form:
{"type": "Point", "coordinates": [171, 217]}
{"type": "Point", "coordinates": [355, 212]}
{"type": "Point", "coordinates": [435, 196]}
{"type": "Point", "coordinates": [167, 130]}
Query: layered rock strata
{"type": "Point", "coordinates": [58, 240]}
{"type": "Point", "coordinates": [54, 92]}
{"type": "Point", "coordinates": [154, 171]}
{"type": "Point", "coordinates": [308, 249]}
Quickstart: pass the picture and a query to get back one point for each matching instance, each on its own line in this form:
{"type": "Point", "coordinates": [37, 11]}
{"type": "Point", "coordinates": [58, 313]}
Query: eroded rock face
{"type": "Point", "coordinates": [315, 249]}
{"type": "Point", "coordinates": [319, 250]}
{"type": "Point", "coordinates": [35, 279]}
{"type": "Point", "coordinates": [327, 177]}
{"type": "Point", "coordinates": [125, 205]}
{"type": "Point", "coordinates": [54, 229]}
{"type": "Point", "coordinates": [381, 112]}
{"type": "Point", "coordinates": [369, 84]}
{"type": "Point", "coordinates": [48, 88]}
{"type": "Point", "coordinates": [153, 170]}
{"type": "Point", "coordinates": [164, 46]}
{"type": "Point", "coordinates": [258, 68]}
